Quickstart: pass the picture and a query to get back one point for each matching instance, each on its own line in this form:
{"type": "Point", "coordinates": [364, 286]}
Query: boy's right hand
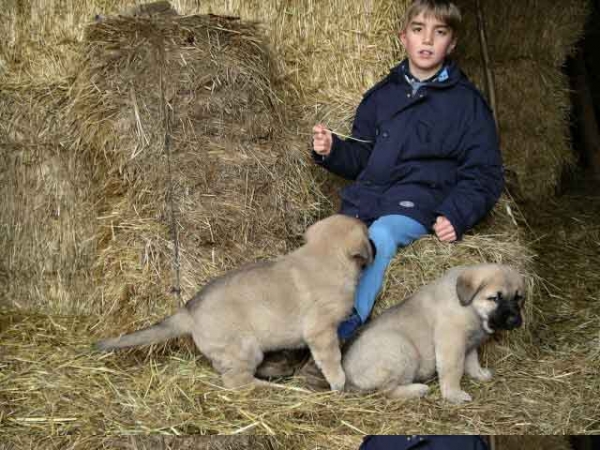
{"type": "Point", "coordinates": [322, 139]}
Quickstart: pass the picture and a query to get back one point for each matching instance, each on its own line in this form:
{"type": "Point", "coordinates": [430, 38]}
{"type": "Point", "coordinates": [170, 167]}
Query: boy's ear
{"type": "Point", "coordinates": [402, 36]}
{"type": "Point", "coordinates": [452, 46]}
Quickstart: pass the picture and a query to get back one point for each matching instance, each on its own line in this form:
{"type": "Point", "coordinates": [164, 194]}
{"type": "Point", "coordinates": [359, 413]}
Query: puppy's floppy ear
{"type": "Point", "coordinates": [467, 286]}
{"type": "Point", "coordinates": [364, 252]}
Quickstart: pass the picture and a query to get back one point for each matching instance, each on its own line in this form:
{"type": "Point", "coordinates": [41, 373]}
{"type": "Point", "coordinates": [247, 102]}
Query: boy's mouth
{"type": "Point", "coordinates": [425, 53]}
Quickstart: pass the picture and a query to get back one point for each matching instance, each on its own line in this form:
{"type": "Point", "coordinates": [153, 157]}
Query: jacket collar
{"type": "Point", "coordinates": [447, 76]}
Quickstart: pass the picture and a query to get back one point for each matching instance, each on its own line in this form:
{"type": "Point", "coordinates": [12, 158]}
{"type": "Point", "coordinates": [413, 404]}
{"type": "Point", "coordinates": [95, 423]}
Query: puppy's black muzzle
{"type": "Point", "coordinates": [513, 321]}
{"type": "Point", "coordinates": [506, 317]}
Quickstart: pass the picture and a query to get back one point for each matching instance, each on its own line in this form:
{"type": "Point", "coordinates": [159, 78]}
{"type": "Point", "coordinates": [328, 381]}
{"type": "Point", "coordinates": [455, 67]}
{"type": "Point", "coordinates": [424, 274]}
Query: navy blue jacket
{"type": "Point", "coordinates": [423, 442]}
{"type": "Point", "coordinates": [431, 153]}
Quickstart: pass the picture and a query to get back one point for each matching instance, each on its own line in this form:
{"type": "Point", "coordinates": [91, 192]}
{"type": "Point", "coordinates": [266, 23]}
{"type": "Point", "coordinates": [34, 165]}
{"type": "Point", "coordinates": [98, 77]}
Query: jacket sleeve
{"type": "Point", "coordinates": [480, 177]}
{"type": "Point", "coordinates": [349, 157]}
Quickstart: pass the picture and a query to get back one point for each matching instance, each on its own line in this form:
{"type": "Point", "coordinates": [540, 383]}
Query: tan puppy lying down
{"type": "Point", "coordinates": [293, 301]}
{"type": "Point", "coordinates": [439, 328]}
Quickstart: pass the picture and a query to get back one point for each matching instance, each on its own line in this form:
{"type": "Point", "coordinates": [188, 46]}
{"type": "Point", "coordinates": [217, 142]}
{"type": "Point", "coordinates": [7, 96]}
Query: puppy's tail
{"type": "Point", "coordinates": [178, 324]}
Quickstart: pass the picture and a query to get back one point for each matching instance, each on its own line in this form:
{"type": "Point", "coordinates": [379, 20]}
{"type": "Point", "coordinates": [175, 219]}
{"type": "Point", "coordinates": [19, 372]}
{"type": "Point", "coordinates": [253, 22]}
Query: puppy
{"type": "Point", "coordinates": [294, 301]}
{"type": "Point", "coordinates": [439, 328]}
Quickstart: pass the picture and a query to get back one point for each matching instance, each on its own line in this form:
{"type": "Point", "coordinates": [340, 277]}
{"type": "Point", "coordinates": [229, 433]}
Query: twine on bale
{"type": "Point", "coordinates": [166, 110]}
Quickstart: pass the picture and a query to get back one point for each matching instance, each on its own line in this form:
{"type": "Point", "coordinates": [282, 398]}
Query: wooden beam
{"type": "Point", "coordinates": [587, 121]}
{"type": "Point", "coordinates": [490, 84]}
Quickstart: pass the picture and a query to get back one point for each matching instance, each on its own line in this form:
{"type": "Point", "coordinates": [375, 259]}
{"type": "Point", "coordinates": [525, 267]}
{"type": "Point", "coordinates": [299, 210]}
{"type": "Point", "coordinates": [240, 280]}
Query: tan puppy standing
{"type": "Point", "coordinates": [439, 328]}
{"type": "Point", "coordinates": [294, 301]}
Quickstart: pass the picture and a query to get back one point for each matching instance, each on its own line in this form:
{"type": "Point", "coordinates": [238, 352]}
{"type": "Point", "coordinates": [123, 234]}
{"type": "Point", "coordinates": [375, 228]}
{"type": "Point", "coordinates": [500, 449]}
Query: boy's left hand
{"type": "Point", "coordinates": [444, 230]}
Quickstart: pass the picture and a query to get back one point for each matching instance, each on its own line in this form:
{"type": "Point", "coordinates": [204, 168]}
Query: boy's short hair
{"type": "Point", "coordinates": [444, 10]}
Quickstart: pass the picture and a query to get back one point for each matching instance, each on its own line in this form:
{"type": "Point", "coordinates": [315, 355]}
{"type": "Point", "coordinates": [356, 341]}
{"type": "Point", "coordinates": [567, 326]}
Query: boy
{"type": "Point", "coordinates": [423, 154]}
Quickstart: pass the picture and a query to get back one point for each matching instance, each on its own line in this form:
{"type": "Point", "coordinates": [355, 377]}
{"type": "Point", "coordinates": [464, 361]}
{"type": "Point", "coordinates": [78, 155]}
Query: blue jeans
{"type": "Point", "coordinates": [387, 233]}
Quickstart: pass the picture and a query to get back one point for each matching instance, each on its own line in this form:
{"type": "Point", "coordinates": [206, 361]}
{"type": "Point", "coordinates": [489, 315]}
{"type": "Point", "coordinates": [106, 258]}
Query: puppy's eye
{"type": "Point", "coordinates": [493, 298]}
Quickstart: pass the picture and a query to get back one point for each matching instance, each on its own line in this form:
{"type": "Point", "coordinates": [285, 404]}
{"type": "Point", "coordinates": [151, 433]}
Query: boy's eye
{"type": "Point", "coordinates": [416, 29]}
{"type": "Point", "coordinates": [442, 32]}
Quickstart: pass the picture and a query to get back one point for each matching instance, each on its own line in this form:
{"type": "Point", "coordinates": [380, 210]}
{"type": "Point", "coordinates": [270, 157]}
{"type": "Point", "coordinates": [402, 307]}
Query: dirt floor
{"type": "Point", "coordinates": [50, 384]}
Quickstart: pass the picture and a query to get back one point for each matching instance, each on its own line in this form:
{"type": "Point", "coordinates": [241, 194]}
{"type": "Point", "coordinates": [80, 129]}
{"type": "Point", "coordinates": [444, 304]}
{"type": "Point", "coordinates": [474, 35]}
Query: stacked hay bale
{"type": "Point", "coordinates": [196, 172]}
{"type": "Point", "coordinates": [528, 43]}
{"type": "Point", "coordinates": [532, 442]}
{"type": "Point", "coordinates": [46, 203]}
{"type": "Point", "coordinates": [331, 52]}
{"type": "Point", "coordinates": [40, 39]}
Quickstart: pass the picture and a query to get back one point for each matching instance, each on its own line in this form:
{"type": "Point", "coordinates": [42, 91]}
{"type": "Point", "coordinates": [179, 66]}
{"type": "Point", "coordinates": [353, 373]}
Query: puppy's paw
{"type": "Point", "coordinates": [482, 374]}
{"type": "Point", "coordinates": [338, 383]}
{"type": "Point", "coordinates": [457, 396]}
{"type": "Point", "coordinates": [404, 392]}
{"type": "Point", "coordinates": [420, 390]}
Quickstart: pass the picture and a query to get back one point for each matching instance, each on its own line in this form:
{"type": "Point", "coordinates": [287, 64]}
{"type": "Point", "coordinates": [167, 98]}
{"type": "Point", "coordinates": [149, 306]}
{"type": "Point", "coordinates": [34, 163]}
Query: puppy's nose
{"type": "Point", "coordinates": [513, 321]}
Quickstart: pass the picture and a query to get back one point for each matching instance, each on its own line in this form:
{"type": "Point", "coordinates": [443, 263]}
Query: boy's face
{"type": "Point", "coordinates": [427, 42]}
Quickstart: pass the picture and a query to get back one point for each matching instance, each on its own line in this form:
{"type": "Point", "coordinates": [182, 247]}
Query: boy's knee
{"type": "Point", "coordinates": [383, 239]}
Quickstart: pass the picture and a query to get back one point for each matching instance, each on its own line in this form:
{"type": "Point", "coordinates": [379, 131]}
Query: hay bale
{"type": "Point", "coordinates": [51, 384]}
{"type": "Point", "coordinates": [532, 442]}
{"type": "Point", "coordinates": [41, 39]}
{"type": "Point", "coordinates": [544, 31]}
{"type": "Point", "coordinates": [326, 62]}
{"type": "Point", "coordinates": [46, 214]}
{"type": "Point", "coordinates": [92, 442]}
{"type": "Point", "coordinates": [190, 443]}
{"type": "Point", "coordinates": [234, 178]}
{"type": "Point", "coordinates": [534, 133]}
{"type": "Point", "coordinates": [528, 40]}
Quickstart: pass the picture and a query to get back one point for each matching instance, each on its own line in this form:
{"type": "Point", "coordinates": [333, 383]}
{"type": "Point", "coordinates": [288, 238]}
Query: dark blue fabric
{"type": "Point", "coordinates": [432, 153]}
{"type": "Point", "coordinates": [423, 442]}
{"type": "Point", "coordinates": [349, 326]}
